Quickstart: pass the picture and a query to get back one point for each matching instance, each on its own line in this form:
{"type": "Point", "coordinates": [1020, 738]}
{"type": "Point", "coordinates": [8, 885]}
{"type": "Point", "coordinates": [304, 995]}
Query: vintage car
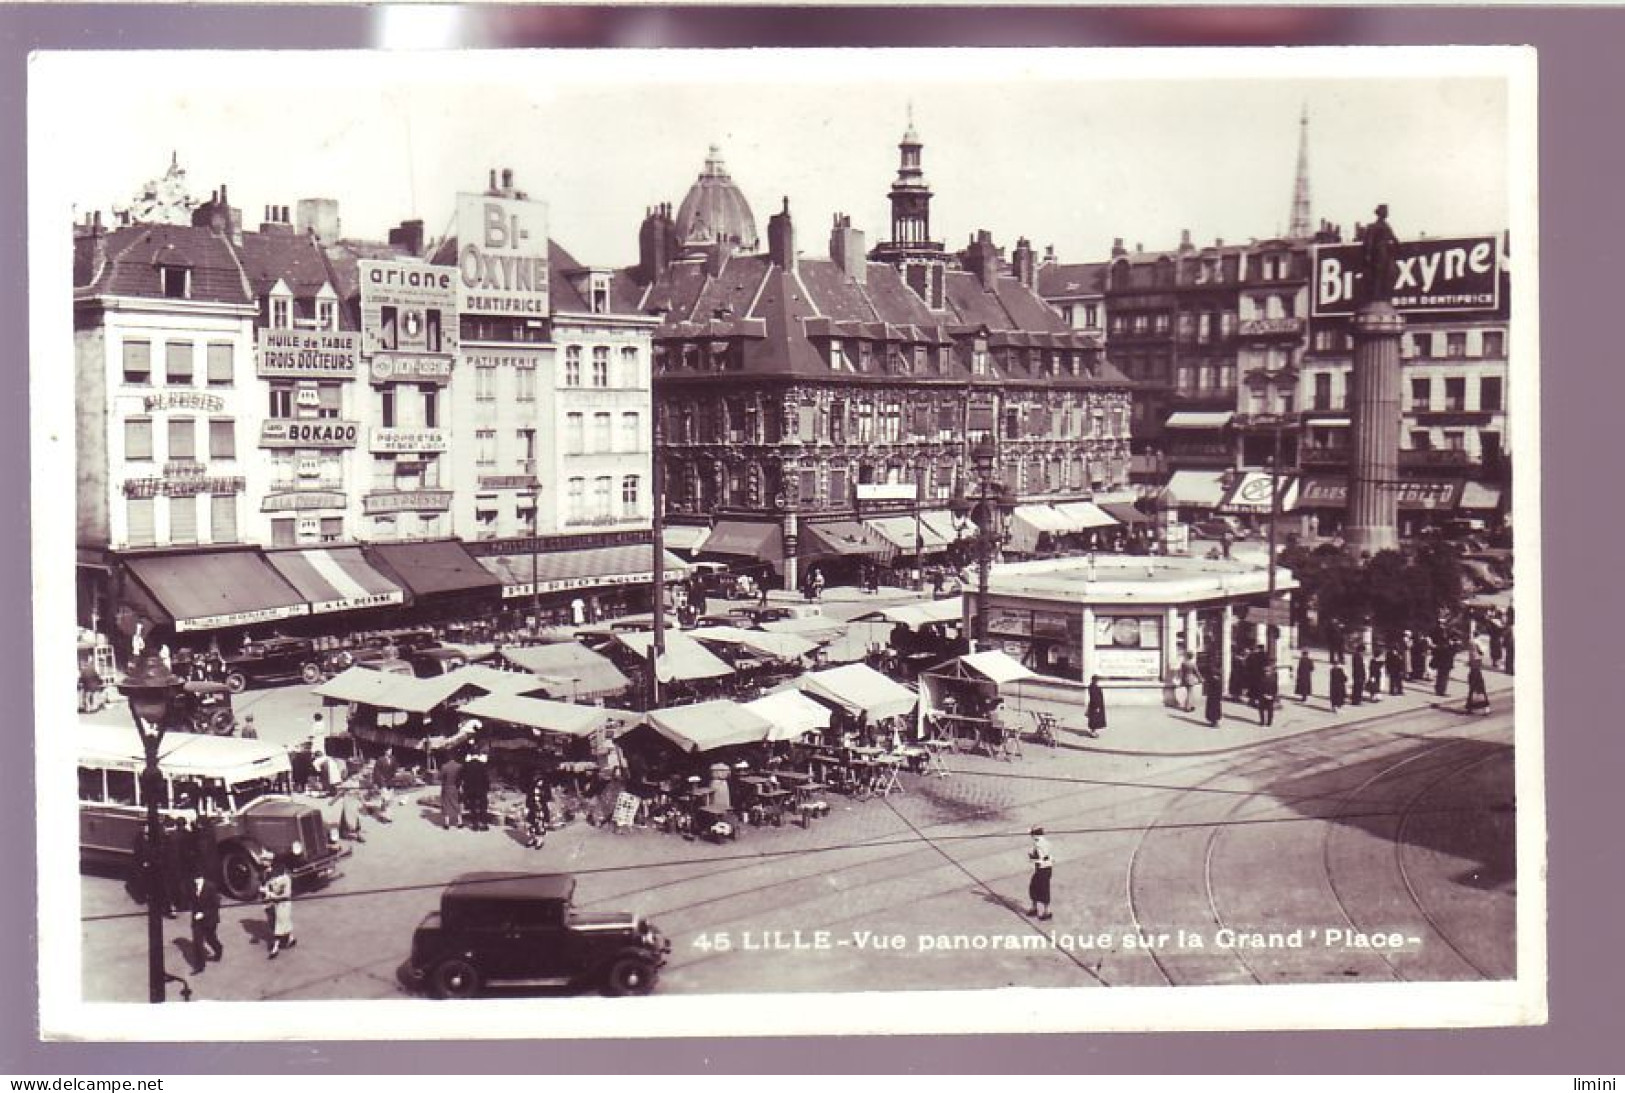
{"type": "Point", "coordinates": [428, 663]}
{"type": "Point", "coordinates": [365, 656]}
{"type": "Point", "coordinates": [274, 660]}
{"type": "Point", "coordinates": [203, 706]}
{"type": "Point", "coordinates": [521, 930]}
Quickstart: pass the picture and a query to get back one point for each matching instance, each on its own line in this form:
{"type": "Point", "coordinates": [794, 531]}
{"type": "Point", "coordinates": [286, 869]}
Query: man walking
{"type": "Point", "coordinates": [451, 792]}
{"type": "Point", "coordinates": [1186, 678]}
{"type": "Point", "coordinates": [205, 923]}
{"type": "Point", "coordinates": [1357, 676]}
{"type": "Point", "coordinates": [1395, 668]}
{"type": "Point", "coordinates": [1095, 712]}
{"type": "Point", "coordinates": [1444, 658]}
{"type": "Point", "coordinates": [1268, 684]}
{"type": "Point", "coordinates": [476, 779]}
{"type": "Point", "coordinates": [1038, 888]}
{"type": "Point", "coordinates": [1306, 676]}
{"type": "Point", "coordinates": [1338, 689]}
{"type": "Point", "coordinates": [1213, 697]}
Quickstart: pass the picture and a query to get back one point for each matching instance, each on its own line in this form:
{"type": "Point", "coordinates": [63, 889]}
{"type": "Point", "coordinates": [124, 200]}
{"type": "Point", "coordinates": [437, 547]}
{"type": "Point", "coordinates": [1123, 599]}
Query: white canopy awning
{"type": "Point", "coordinates": [763, 643]}
{"type": "Point", "coordinates": [563, 718]}
{"type": "Point", "coordinates": [997, 665]}
{"type": "Point", "coordinates": [916, 615]}
{"type": "Point", "coordinates": [905, 533]}
{"type": "Point", "coordinates": [683, 659]}
{"type": "Point", "coordinates": [679, 537]}
{"type": "Point", "coordinates": [819, 630]}
{"type": "Point", "coordinates": [1084, 515]}
{"type": "Point", "coordinates": [1199, 419]}
{"type": "Point", "coordinates": [1197, 488]}
{"type": "Point", "coordinates": [707, 726]}
{"type": "Point", "coordinates": [791, 713]}
{"type": "Point", "coordinates": [858, 688]}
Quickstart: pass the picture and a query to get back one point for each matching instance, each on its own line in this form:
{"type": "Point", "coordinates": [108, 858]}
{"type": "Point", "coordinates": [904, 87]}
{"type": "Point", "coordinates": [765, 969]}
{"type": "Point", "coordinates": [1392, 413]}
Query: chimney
{"type": "Point", "coordinates": [846, 250]}
{"type": "Point", "coordinates": [1049, 254]}
{"type": "Point", "coordinates": [716, 255]}
{"type": "Point", "coordinates": [276, 221]}
{"type": "Point", "coordinates": [318, 216]}
{"type": "Point", "coordinates": [1118, 250]}
{"type": "Point", "coordinates": [1185, 244]}
{"type": "Point", "coordinates": [408, 237]}
{"type": "Point", "coordinates": [1025, 262]}
{"type": "Point", "coordinates": [657, 243]}
{"type": "Point", "coordinates": [781, 239]}
{"type": "Point", "coordinates": [1218, 241]}
{"type": "Point", "coordinates": [1139, 248]}
{"type": "Point", "coordinates": [218, 216]}
{"type": "Point", "coordinates": [982, 259]}
{"type": "Point", "coordinates": [491, 190]}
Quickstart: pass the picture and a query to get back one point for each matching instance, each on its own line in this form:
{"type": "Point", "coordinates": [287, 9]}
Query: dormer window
{"type": "Point", "coordinates": [327, 315]}
{"type": "Point", "coordinates": [599, 293]}
{"type": "Point", "coordinates": [281, 313]}
{"type": "Point", "coordinates": [176, 282]}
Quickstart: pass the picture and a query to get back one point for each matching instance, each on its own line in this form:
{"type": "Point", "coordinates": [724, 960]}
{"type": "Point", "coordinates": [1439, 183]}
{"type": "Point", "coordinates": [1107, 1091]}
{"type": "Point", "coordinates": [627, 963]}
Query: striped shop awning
{"type": "Point", "coordinates": [335, 579]}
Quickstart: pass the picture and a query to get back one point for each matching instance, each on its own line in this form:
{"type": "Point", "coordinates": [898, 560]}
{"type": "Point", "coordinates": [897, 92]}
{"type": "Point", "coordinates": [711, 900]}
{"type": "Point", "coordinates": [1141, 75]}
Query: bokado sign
{"type": "Point", "coordinates": [501, 256]}
{"type": "Point", "coordinates": [1428, 275]}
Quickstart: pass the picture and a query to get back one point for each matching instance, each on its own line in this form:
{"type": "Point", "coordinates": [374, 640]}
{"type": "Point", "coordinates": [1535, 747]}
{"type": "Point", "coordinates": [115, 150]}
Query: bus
{"type": "Point", "coordinates": [240, 791]}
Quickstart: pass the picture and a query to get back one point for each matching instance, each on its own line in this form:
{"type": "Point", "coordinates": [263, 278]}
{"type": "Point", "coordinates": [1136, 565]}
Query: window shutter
{"type": "Point", "coordinates": [138, 438]}
{"type": "Point", "coordinates": [182, 439]}
{"type": "Point", "coordinates": [223, 518]}
{"type": "Point", "coordinates": [183, 519]}
{"type": "Point", "coordinates": [178, 363]}
{"type": "Point", "coordinates": [222, 440]}
{"type": "Point", "coordinates": [220, 364]}
{"type": "Point", "coordinates": [140, 512]}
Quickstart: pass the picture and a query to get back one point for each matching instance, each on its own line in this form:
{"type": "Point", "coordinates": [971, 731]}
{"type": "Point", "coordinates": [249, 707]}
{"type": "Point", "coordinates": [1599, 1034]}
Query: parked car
{"type": "Point", "coordinates": [788, 611]}
{"type": "Point", "coordinates": [521, 930]}
{"type": "Point", "coordinates": [203, 706]}
{"type": "Point", "coordinates": [273, 660]}
{"type": "Point", "coordinates": [1216, 527]}
{"type": "Point", "coordinates": [427, 663]}
{"type": "Point", "coordinates": [376, 658]}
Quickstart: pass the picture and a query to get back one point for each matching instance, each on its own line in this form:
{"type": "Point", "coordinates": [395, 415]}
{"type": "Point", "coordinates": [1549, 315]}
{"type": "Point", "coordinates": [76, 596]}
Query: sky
{"type": "Point", "coordinates": [1070, 149]}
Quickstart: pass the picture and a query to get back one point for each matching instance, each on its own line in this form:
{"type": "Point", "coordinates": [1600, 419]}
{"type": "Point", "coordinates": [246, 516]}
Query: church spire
{"type": "Point", "coordinates": [1301, 222]}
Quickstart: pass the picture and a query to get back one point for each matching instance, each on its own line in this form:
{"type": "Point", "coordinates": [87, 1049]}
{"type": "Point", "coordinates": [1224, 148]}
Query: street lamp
{"type": "Point", "coordinates": [151, 688]}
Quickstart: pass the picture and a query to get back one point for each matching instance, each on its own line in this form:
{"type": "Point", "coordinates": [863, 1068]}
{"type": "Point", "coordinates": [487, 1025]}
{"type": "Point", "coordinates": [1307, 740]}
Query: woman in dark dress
{"type": "Point", "coordinates": [1095, 716]}
{"type": "Point", "coordinates": [1306, 676]}
{"type": "Point", "coordinates": [1339, 687]}
{"type": "Point", "coordinates": [1213, 697]}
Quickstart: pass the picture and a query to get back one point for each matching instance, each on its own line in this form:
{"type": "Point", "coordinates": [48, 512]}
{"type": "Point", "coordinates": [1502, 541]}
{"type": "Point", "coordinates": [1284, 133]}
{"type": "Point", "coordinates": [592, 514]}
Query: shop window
{"type": "Point", "coordinates": [138, 362]}
{"type": "Point", "coordinates": [92, 788]}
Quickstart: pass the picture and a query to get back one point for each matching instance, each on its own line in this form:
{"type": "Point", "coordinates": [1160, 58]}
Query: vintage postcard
{"type": "Point", "coordinates": [641, 543]}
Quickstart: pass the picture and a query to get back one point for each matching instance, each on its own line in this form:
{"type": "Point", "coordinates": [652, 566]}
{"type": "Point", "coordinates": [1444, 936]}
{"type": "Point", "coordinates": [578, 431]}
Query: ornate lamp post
{"type": "Point", "coordinates": [151, 689]}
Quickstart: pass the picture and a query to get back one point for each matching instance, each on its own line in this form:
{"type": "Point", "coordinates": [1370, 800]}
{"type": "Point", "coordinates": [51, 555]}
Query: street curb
{"type": "Point", "coordinates": [1252, 743]}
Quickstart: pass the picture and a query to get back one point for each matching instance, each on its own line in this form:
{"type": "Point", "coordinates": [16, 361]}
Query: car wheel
{"type": "Point", "coordinates": [236, 682]}
{"type": "Point", "coordinates": [311, 673]}
{"type": "Point", "coordinates": [221, 723]}
{"type": "Point", "coordinates": [454, 978]}
{"type": "Point", "coordinates": [629, 975]}
{"type": "Point", "coordinates": [240, 874]}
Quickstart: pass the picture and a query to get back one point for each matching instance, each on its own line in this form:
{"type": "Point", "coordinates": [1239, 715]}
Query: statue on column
{"type": "Point", "coordinates": [1379, 245]}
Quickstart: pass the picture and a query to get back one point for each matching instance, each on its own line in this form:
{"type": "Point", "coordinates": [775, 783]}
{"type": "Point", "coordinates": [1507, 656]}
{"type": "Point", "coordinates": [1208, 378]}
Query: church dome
{"type": "Point", "coordinates": [715, 210]}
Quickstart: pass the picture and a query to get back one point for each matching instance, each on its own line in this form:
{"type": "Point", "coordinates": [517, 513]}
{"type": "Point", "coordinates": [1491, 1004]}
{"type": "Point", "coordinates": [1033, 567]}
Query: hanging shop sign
{"type": "Point", "coordinates": [406, 501]}
{"type": "Point", "coordinates": [510, 359]}
{"type": "Point", "coordinates": [243, 618]}
{"type": "Point", "coordinates": [508, 482]}
{"type": "Point", "coordinates": [302, 501]}
{"type": "Point", "coordinates": [324, 354]}
{"type": "Point", "coordinates": [309, 433]}
{"type": "Point", "coordinates": [513, 591]}
{"type": "Point", "coordinates": [408, 440]}
{"type": "Point", "coordinates": [501, 256]}
{"type": "Point", "coordinates": [407, 307]}
{"type": "Point", "coordinates": [408, 368]}
{"type": "Point", "coordinates": [184, 400]}
{"type": "Point", "coordinates": [184, 486]}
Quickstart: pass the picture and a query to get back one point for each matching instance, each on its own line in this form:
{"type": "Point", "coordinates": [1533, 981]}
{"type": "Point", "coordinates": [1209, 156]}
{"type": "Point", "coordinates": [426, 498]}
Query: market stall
{"type": "Point", "coordinates": [791, 715]}
{"type": "Point", "coordinates": [961, 701]}
{"type": "Point", "coordinates": [870, 709]}
{"type": "Point", "coordinates": [568, 669]}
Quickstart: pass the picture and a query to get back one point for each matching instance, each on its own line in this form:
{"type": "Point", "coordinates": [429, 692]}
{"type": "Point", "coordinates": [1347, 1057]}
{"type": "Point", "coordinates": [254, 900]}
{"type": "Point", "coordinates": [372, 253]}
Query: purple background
{"type": "Point", "coordinates": [1581, 85]}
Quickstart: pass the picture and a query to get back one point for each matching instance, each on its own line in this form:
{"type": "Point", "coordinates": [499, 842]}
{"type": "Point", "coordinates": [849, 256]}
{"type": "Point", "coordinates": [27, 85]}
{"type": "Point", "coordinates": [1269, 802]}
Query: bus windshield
{"type": "Point", "coordinates": [254, 788]}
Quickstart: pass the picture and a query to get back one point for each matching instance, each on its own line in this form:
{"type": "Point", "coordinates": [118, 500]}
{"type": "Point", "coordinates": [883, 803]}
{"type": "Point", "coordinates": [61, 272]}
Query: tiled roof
{"type": "Point", "coordinates": [1084, 279]}
{"type": "Point", "coordinates": [343, 256]}
{"type": "Point", "coordinates": [134, 255]}
{"type": "Point", "coordinates": [269, 257]}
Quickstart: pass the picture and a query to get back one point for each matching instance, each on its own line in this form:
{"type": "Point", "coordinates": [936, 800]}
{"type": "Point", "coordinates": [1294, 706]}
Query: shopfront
{"type": "Point", "coordinates": [1421, 503]}
{"type": "Point", "coordinates": [1126, 619]}
{"type": "Point", "coordinates": [575, 587]}
{"type": "Point", "coordinates": [195, 598]}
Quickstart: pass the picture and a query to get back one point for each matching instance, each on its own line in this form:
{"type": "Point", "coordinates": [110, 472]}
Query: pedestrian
{"type": "Point", "coordinates": [1394, 669]}
{"type": "Point", "coordinates": [1306, 676]}
{"type": "Point", "coordinates": [1038, 888]}
{"type": "Point", "coordinates": [249, 731]}
{"type": "Point", "coordinates": [476, 778]}
{"type": "Point", "coordinates": [1338, 691]}
{"type": "Point", "coordinates": [1421, 656]}
{"type": "Point", "coordinates": [1187, 679]}
{"type": "Point", "coordinates": [761, 592]}
{"type": "Point", "coordinates": [936, 582]}
{"type": "Point", "coordinates": [278, 895]}
{"type": "Point", "coordinates": [538, 812]}
{"type": "Point", "coordinates": [302, 766]}
{"type": "Point", "coordinates": [451, 792]}
{"type": "Point", "coordinates": [1357, 671]}
{"type": "Point", "coordinates": [818, 584]}
{"type": "Point", "coordinates": [1481, 644]}
{"type": "Point", "coordinates": [1478, 696]}
{"type": "Point", "coordinates": [205, 923]}
{"type": "Point", "coordinates": [1444, 660]}
{"type": "Point", "coordinates": [1497, 644]}
{"type": "Point", "coordinates": [1255, 671]}
{"type": "Point", "coordinates": [1095, 714]}
{"type": "Point", "coordinates": [350, 813]}
{"type": "Point", "coordinates": [1238, 673]}
{"type": "Point", "coordinates": [1510, 650]}
{"type": "Point", "coordinates": [1374, 681]}
{"type": "Point", "coordinates": [1213, 696]}
{"type": "Point", "coordinates": [175, 875]}
{"type": "Point", "coordinates": [318, 733]}
{"type": "Point", "coordinates": [1268, 686]}
{"type": "Point", "coordinates": [1335, 643]}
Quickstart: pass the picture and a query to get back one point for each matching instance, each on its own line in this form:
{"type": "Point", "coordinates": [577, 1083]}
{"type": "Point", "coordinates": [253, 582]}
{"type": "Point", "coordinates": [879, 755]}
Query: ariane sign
{"type": "Point", "coordinates": [328, 354]}
{"type": "Point", "coordinates": [1429, 275]}
{"type": "Point", "coordinates": [502, 256]}
{"type": "Point", "coordinates": [408, 307]}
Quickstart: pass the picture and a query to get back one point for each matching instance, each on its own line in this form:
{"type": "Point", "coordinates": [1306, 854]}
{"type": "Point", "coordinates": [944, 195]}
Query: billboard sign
{"type": "Point", "coordinates": [408, 307]}
{"type": "Point", "coordinates": [309, 433]}
{"type": "Point", "coordinates": [501, 256]}
{"type": "Point", "coordinates": [306, 354]}
{"type": "Point", "coordinates": [1429, 275]}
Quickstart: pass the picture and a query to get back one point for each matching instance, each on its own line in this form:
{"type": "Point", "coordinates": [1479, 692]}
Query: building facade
{"type": "Point", "coordinates": [811, 406]}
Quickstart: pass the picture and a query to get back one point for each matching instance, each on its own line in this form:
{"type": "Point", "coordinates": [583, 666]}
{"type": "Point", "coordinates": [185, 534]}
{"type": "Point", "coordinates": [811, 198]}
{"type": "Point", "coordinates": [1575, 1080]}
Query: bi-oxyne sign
{"type": "Point", "coordinates": [1429, 275]}
{"type": "Point", "coordinates": [501, 256]}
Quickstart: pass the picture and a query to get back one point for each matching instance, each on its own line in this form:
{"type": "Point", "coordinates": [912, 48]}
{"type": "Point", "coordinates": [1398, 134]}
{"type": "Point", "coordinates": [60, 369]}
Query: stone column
{"type": "Point", "coordinates": [1226, 640]}
{"type": "Point", "coordinates": [1372, 523]}
{"type": "Point", "coordinates": [792, 572]}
